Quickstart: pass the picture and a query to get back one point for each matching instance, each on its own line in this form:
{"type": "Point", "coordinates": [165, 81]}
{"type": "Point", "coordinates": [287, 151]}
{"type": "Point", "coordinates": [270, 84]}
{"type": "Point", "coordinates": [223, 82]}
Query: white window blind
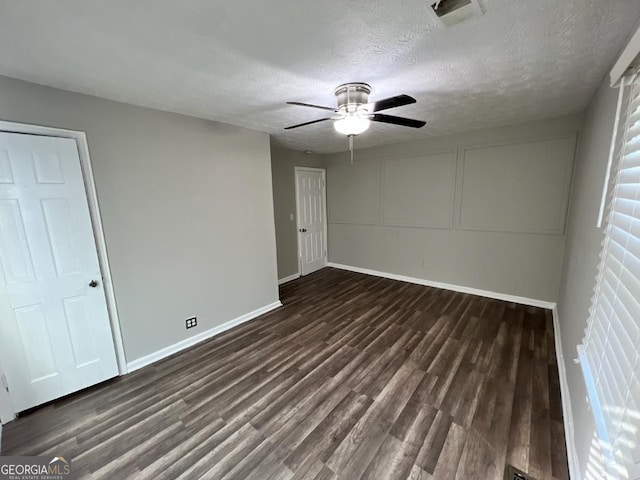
{"type": "Point", "coordinates": [610, 353]}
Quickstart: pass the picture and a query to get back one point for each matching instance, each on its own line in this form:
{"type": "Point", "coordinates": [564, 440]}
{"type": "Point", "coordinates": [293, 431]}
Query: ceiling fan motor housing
{"type": "Point", "coordinates": [350, 96]}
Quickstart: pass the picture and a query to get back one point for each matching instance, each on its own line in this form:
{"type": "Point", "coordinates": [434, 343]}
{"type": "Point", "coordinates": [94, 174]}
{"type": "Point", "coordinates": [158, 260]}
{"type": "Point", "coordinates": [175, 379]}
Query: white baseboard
{"type": "Point", "coordinates": [188, 342]}
{"type": "Point", "coordinates": [289, 278]}
{"type": "Point", "coordinates": [448, 286]}
{"type": "Point", "coordinates": [567, 413]}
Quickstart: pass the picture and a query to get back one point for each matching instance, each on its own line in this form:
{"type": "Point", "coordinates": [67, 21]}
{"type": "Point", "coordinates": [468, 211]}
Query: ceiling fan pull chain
{"type": "Point", "coordinates": [351, 147]}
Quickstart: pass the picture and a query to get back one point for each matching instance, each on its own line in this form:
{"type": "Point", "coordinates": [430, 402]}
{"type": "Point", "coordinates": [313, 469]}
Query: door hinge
{"type": "Point", "coordinates": [3, 382]}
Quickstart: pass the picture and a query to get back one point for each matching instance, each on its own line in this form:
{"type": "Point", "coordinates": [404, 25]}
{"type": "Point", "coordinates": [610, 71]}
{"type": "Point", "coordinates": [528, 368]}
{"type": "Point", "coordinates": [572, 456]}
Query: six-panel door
{"type": "Point", "coordinates": [55, 334]}
{"type": "Point", "coordinates": [311, 220]}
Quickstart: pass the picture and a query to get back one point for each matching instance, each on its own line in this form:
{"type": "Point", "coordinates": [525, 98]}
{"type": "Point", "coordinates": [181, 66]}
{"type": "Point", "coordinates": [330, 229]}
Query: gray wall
{"type": "Point", "coordinates": [581, 258]}
{"type": "Point", "coordinates": [186, 206]}
{"type": "Point", "coordinates": [283, 163]}
{"type": "Point", "coordinates": [484, 209]}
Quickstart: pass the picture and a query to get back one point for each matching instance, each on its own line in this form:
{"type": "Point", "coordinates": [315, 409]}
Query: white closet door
{"type": "Point", "coordinates": [55, 335]}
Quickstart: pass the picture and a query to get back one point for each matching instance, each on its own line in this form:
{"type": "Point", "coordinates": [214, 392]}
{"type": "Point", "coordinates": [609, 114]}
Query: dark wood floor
{"type": "Point", "coordinates": [356, 377]}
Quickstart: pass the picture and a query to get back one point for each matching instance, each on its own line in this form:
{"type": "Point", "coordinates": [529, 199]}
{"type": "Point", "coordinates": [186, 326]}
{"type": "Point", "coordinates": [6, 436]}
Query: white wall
{"type": "Point", "coordinates": [485, 209]}
{"type": "Point", "coordinates": [581, 258]}
{"type": "Point", "coordinates": [186, 205]}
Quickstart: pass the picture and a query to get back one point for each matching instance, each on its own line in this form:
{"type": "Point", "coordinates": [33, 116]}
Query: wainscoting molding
{"type": "Point", "coordinates": [522, 190]}
{"type": "Point", "coordinates": [418, 191]}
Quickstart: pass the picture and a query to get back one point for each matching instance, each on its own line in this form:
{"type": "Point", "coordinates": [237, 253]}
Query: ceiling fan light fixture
{"type": "Point", "coordinates": [351, 125]}
{"type": "Point", "coordinates": [354, 112]}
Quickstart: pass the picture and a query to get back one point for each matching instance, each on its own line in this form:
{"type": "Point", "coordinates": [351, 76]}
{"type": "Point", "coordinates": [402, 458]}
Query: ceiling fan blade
{"type": "Point", "coordinates": [405, 122]}
{"type": "Point", "coordinates": [300, 104]}
{"type": "Point", "coordinates": [391, 102]}
{"type": "Point", "coordinates": [307, 123]}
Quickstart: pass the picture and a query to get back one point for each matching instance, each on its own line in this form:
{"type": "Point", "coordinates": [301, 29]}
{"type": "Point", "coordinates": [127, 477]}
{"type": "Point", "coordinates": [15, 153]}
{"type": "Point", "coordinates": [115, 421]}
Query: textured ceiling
{"type": "Point", "coordinates": [239, 61]}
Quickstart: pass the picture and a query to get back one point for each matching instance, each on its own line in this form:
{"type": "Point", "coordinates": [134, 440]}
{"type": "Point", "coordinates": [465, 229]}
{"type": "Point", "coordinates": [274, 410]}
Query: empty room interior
{"type": "Point", "coordinates": [331, 240]}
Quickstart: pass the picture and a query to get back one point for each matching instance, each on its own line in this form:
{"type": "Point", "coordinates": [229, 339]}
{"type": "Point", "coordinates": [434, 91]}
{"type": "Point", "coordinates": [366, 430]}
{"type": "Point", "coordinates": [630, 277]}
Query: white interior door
{"type": "Point", "coordinates": [312, 224]}
{"type": "Point", "coordinates": [55, 335]}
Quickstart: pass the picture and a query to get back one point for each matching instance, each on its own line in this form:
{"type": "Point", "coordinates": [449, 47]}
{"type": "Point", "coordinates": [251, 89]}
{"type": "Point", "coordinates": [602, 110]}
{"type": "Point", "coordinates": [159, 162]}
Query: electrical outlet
{"type": "Point", "coordinates": [191, 322]}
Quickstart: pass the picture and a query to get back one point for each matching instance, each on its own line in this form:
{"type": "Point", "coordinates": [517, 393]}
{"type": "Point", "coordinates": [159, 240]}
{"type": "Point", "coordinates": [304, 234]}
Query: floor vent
{"type": "Point", "coordinates": [512, 473]}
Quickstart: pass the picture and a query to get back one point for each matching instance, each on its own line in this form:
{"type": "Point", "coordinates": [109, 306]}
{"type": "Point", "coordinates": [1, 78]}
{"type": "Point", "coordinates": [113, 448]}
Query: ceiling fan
{"type": "Point", "coordinates": [354, 112]}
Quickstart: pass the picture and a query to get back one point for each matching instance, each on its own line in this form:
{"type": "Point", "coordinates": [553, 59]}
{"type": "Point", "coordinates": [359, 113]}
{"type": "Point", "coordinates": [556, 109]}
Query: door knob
{"type": "Point", "coordinates": [302, 230]}
{"type": "Point", "coordinates": [93, 283]}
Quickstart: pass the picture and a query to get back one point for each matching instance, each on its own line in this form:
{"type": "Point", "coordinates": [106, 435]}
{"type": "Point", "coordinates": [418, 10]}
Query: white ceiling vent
{"type": "Point", "coordinates": [450, 12]}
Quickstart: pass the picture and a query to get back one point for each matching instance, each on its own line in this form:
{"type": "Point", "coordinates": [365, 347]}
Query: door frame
{"type": "Point", "coordinates": [324, 208]}
{"type": "Point", "coordinates": [96, 222]}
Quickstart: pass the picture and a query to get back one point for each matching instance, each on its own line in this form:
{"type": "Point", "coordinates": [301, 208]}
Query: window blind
{"type": "Point", "coordinates": [610, 353]}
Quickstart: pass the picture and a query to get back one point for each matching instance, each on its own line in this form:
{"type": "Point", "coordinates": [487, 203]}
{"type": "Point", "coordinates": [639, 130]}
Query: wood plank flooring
{"type": "Point", "coordinates": [356, 377]}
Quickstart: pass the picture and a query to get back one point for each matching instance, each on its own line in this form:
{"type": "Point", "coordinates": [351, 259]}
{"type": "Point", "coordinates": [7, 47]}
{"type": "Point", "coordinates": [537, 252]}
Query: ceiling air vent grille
{"type": "Point", "coordinates": [451, 12]}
